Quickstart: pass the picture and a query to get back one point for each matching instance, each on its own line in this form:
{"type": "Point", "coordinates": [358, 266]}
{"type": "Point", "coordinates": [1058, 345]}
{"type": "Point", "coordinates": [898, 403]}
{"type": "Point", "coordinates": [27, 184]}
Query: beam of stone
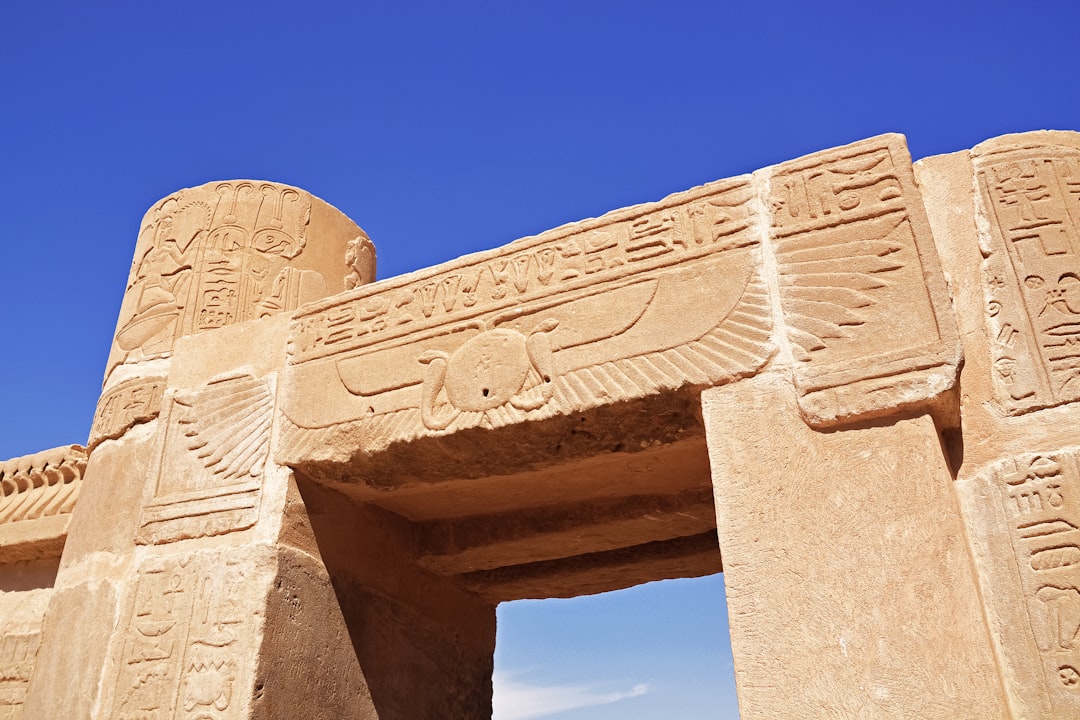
{"type": "Point", "coordinates": [580, 317]}
{"type": "Point", "coordinates": [1007, 217]}
{"type": "Point", "coordinates": [492, 541]}
{"type": "Point", "coordinates": [684, 557]}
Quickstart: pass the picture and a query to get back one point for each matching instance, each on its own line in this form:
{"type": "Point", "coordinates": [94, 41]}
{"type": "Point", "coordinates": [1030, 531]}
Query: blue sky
{"type": "Point", "coordinates": [449, 128]}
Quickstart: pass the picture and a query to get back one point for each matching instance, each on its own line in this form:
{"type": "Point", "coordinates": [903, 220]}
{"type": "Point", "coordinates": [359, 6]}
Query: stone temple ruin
{"type": "Point", "coordinates": [854, 379]}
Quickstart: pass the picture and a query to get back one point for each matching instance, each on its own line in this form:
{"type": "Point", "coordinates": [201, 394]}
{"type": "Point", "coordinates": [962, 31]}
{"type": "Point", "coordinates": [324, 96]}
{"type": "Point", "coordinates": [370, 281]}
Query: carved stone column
{"type": "Point", "coordinates": [1007, 217]}
{"type": "Point", "coordinates": [174, 573]}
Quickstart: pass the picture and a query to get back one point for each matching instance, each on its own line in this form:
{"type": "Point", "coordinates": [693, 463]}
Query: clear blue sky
{"type": "Point", "coordinates": [445, 128]}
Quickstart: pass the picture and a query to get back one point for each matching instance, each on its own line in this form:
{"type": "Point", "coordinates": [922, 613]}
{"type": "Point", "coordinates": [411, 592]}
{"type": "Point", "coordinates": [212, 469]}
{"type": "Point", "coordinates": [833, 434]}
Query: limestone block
{"type": "Point", "coordinates": [424, 643]}
{"type": "Point", "coordinates": [307, 665]}
{"type": "Point", "coordinates": [1007, 219]}
{"type": "Point", "coordinates": [1028, 206]}
{"type": "Point", "coordinates": [226, 252]}
{"type": "Point", "coordinates": [188, 635]}
{"type": "Point", "coordinates": [850, 587]}
{"type": "Point", "coordinates": [115, 478]}
{"type": "Point", "coordinates": [67, 673]}
{"type": "Point", "coordinates": [37, 495]}
{"type": "Point", "coordinates": [868, 320]}
{"type": "Point", "coordinates": [21, 614]}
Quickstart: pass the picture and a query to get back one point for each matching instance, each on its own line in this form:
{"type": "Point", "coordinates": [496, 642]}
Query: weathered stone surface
{"type": "Point", "coordinates": [314, 509]}
{"type": "Point", "coordinates": [226, 252]}
{"type": "Point", "coordinates": [582, 316]}
{"type": "Point", "coordinates": [73, 652]}
{"type": "Point", "coordinates": [38, 494]}
{"type": "Point", "coordinates": [850, 588]}
{"type": "Point", "coordinates": [21, 614]}
{"type": "Point", "coordinates": [867, 318]}
{"type": "Point", "coordinates": [1006, 217]}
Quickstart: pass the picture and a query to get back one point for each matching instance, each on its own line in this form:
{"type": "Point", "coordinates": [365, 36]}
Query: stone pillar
{"type": "Point", "coordinates": [850, 586]}
{"type": "Point", "coordinates": [1007, 218]}
{"type": "Point", "coordinates": [174, 578]}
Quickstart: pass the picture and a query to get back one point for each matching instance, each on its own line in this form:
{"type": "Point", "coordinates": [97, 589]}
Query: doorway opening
{"type": "Point", "coordinates": [660, 649]}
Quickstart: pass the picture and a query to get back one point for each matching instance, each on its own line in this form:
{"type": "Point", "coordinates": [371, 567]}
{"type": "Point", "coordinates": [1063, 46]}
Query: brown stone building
{"type": "Point", "coordinates": [848, 382]}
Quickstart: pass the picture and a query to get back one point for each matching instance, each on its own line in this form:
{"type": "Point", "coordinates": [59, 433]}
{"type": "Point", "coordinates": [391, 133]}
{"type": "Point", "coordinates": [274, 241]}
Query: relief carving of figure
{"type": "Point", "coordinates": [162, 278]}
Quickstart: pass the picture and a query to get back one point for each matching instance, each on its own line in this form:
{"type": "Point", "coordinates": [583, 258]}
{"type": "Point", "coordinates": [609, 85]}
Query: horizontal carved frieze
{"type": "Point", "coordinates": [39, 492]}
{"type": "Point", "coordinates": [41, 485]}
{"type": "Point", "coordinates": [639, 301]}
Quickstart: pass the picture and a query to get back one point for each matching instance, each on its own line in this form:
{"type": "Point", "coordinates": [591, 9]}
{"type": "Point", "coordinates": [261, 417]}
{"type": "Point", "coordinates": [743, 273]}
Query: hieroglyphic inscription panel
{"type": "Point", "coordinates": [123, 406]}
{"type": "Point", "coordinates": [214, 447]}
{"type": "Point", "coordinates": [860, 284]}
{"type": "Point", "coordinates": [1029, 196]}
{"type": "Point", "coordinates": [212, 256]}
{"type": "Point", "coordinates": [17, 654]}
{"type": "Point", "coordinates": [186, 642]}
{"type": "Point", "coordinates": [646, 298]}
{"type": "Point", "coordinates": [1038, 498]}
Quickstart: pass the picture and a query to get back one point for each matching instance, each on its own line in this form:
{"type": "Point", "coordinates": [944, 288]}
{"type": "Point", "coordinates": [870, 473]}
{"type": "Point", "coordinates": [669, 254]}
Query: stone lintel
{"type": "Point", "coordinates": [39, 492]}
{"type": "Point", "coordinates": [645, 302]}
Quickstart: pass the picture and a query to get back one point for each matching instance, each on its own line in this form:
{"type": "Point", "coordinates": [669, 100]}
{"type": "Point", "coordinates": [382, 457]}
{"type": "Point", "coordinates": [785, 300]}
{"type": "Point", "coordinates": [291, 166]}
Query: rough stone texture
{"type": "Point", "coordinates": [21, 614]}
{"type": "Point", "coordinates": [226, 252]}
{"type": "Point", "coordinates": [1007, 218]}
{"type": "Point", "coordinates": [318, 487]}
{"type": "Point", "coordinates": [74, 651]}
{"type": "Point", "coordinates": [37, 494]}
{"type": "Point", "coordinates": [867, 318]}
{"type": "Point", "coordinates": [850, 588]}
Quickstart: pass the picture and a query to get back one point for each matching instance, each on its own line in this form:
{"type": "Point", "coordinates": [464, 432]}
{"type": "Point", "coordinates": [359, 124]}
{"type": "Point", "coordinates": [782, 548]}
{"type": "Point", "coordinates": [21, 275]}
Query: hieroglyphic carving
{"type": "Point", "coordinates": [1040, 499]}
{"type": "Point", "coordinates": [860, 287]}
{"type": "Point", "coordinates": [212, 256]}
{"type": "Point", "coordinates": [580, 316]}
{"type": "Point", "coordinates": [184, 652]}
{"type": "Point", "coordinates": [1029, 195]}
{"type": "Point", "coordinates": [131, 402]}
{"type": "Point", "coordinates": [209, 475]}
{"type": "Point", "coordinates": [17, 653]}
{"type": "Point", "coordinates": [41, 485]}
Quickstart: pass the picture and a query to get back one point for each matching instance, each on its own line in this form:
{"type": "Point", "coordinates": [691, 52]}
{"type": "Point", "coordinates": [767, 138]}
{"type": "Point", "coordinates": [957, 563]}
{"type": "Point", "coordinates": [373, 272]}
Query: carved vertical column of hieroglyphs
{"type": "Point", "coordinates": [177, 512]}
{"type": "Point", "coordinates": [850, 590]}
{"type": "Point", "coordinates": [37, 494]}
{"type": "Point", "coordinates": [1009, 215]}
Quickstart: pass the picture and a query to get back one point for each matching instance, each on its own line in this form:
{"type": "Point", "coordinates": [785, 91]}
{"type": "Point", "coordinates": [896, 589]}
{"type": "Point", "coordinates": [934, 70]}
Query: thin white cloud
{"type": "Point", "coordinates": [516, 700]}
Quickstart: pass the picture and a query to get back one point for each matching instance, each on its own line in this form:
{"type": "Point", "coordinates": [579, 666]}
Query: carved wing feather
{"type": "Point", "coordinates": [826, 287]}
{"type": "Point", "coordinates": [228, 425]}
